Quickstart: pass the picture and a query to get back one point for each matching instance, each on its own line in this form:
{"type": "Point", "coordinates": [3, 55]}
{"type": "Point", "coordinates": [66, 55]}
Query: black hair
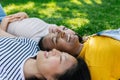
{"type": "Point", "coordinates": [35, 78]}
{"type": "Point", "coordinates": [78, 72]}
{"type": "Point", "coordinates": [80, 38]}
{"type": "Point", "coordinates": [40, 44]}
{"type": "Point", "coordinates": [32, 78]}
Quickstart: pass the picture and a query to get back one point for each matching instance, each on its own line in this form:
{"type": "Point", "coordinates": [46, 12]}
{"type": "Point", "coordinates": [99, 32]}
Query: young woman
{"type": "Point", "coordinates": [20, 59]}
{"type": "Point", "coordinates": [40, 68]}
{"type": "Point", "coordinates": [101, 53]}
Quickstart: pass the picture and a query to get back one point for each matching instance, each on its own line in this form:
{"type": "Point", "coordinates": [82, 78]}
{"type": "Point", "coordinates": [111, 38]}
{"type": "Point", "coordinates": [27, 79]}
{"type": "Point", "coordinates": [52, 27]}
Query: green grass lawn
{"type": "Point", "coordinates": [84, 16]}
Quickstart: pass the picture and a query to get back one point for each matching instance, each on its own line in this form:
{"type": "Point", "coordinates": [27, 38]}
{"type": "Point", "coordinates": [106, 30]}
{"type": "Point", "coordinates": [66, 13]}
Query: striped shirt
{"type": "Point", "coordinates": [13, 53]}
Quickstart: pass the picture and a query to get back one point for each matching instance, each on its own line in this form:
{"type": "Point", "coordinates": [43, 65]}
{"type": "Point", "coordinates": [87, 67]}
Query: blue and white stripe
{"type": "Point", "coordinates": [13, 53]}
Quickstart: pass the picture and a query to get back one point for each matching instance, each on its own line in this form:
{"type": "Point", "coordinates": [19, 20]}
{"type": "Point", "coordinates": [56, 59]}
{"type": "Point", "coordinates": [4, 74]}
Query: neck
{"type": "Point", "coordinates": [30, 69]}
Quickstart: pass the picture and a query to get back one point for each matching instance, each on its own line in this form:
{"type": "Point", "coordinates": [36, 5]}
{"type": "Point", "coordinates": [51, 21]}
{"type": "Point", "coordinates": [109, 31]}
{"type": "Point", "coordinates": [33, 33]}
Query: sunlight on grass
{"type": "Point", "coordinates": [78, 14]}
{"type": "Point", "coordinates": [12, 7]}
{"type": "Point", "coordinates": [90, 1]}
{"type": "Point", "coordinates": [108, 25]}
{"type": "Point", "coordinates": [77, 22]}
{"type": "Point", "coordinates": [51, 4]}
{"type": "Point", "coordinates": [98, 1]}
{"type": "Point", "coordinates": [76, 2]}
{"type": "Point", "coordinates": [50, 9]}
{"type": "Point", "coordinates": [83, 16]}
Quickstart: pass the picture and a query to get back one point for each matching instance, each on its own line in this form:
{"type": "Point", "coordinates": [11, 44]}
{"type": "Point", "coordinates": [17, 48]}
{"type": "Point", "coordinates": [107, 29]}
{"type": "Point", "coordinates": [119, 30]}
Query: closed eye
{"type": "Point", "coordinates": [60, 59]}
{"type": "Point", "coordinates": [54, 40]}
{"type": "Point", "coordinates": [63, 58]}
{"type": "Point", "coordinates": [64, 28]}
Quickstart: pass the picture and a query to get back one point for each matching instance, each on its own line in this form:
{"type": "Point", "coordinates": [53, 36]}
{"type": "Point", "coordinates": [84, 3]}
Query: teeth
{"type": "Point", "coordinates": [68, 37]}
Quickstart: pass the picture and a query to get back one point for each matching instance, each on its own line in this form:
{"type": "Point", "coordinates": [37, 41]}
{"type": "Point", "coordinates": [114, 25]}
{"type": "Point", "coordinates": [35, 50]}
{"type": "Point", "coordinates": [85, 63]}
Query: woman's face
{"type": "Point", "coordinates": [54, 63]}
{"type": "Point", "coordinates": [62, 41]}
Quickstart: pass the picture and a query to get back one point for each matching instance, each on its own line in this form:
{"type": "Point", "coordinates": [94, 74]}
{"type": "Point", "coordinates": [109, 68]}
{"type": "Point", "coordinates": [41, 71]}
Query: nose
{"type": "Point", "coordinates": [54, 52]}
{"type": "Point", "coordinates": [61, 34]}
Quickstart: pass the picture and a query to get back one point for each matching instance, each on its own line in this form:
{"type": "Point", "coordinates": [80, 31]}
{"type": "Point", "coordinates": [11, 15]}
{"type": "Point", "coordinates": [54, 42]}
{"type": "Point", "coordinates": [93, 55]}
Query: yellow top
{"type": "Point", "coordinates": [102, 55]}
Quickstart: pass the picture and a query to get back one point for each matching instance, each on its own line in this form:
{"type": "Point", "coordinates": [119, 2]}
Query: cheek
{"type": "Point", "coordinates": [70, 31]}
{"type": "Point", "coordinates": [53, 63]}
{"type": "Point", "coordinates": [62, 45]}
{"type": "Point", "coordinates": [77, 43]}
{"type": "Point", "coordinates": [50, 67]}
{"type": "Point", "coordinates": [65, 47]}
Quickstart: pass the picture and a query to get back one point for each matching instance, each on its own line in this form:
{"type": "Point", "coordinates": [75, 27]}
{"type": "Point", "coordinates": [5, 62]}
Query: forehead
{"type": "Point", "coordinates": [47, 41]}
{"type": "Point", "coordinates": [49, 36]}
{"type": "Point", "coordinates": [67, 63]}
{"type": "Point", "coordinates": [68, 60]}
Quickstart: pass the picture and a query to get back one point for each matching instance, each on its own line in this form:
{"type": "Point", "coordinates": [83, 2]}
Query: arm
{"type": "Point", "coordinates": [12, 18]}
{"type": "Point", "coordinates": [18, 16]}
{"type": "Point", "coordinates": [4, 23]}
{"type": "Point", "coordinates": [5, 34]}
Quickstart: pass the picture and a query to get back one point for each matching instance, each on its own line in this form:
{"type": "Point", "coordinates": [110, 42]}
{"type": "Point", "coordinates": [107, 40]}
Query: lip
{"type": "Point", "coordinates": [71, 37]}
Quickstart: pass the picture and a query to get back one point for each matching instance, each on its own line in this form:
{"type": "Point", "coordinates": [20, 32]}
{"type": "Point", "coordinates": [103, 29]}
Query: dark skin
{"type": "Point", "coordinates": [63, 42]}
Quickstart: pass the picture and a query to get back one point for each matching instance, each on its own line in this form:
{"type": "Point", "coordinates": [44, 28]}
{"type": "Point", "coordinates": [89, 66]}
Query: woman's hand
{"type": "Point", "coordinates": [12, 18]}
{"type": "Point", "coordinates": [4, 23]}
{"type": "Point", "coordinates": [17, 16]}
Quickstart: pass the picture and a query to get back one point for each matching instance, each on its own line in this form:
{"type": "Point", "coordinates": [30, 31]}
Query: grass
{"type": "Point", "coordinates": [83, 16]}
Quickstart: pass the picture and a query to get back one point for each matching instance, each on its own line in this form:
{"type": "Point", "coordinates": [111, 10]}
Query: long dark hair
{"type": "Point", "coordinates": [32, 78]}
{"type": "Point", "coordinates": [79, 72]}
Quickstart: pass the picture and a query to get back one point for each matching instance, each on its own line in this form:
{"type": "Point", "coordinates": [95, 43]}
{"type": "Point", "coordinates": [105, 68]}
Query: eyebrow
{"type": "Point", "coordinates": [64, 28]}
{"type": "Point", "coordinates": [60, 59]}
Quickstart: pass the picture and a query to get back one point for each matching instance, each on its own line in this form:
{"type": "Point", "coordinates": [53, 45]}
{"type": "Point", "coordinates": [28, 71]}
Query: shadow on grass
{"type": "Point", "coordinates": [84, 16]}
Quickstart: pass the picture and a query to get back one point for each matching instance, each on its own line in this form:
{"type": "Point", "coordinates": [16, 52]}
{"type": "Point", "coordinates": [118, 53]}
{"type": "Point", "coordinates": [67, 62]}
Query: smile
{"type": "Point", "coordinates": [71, 37]}
{"type": "Point", "coordinates": [68, 38]}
